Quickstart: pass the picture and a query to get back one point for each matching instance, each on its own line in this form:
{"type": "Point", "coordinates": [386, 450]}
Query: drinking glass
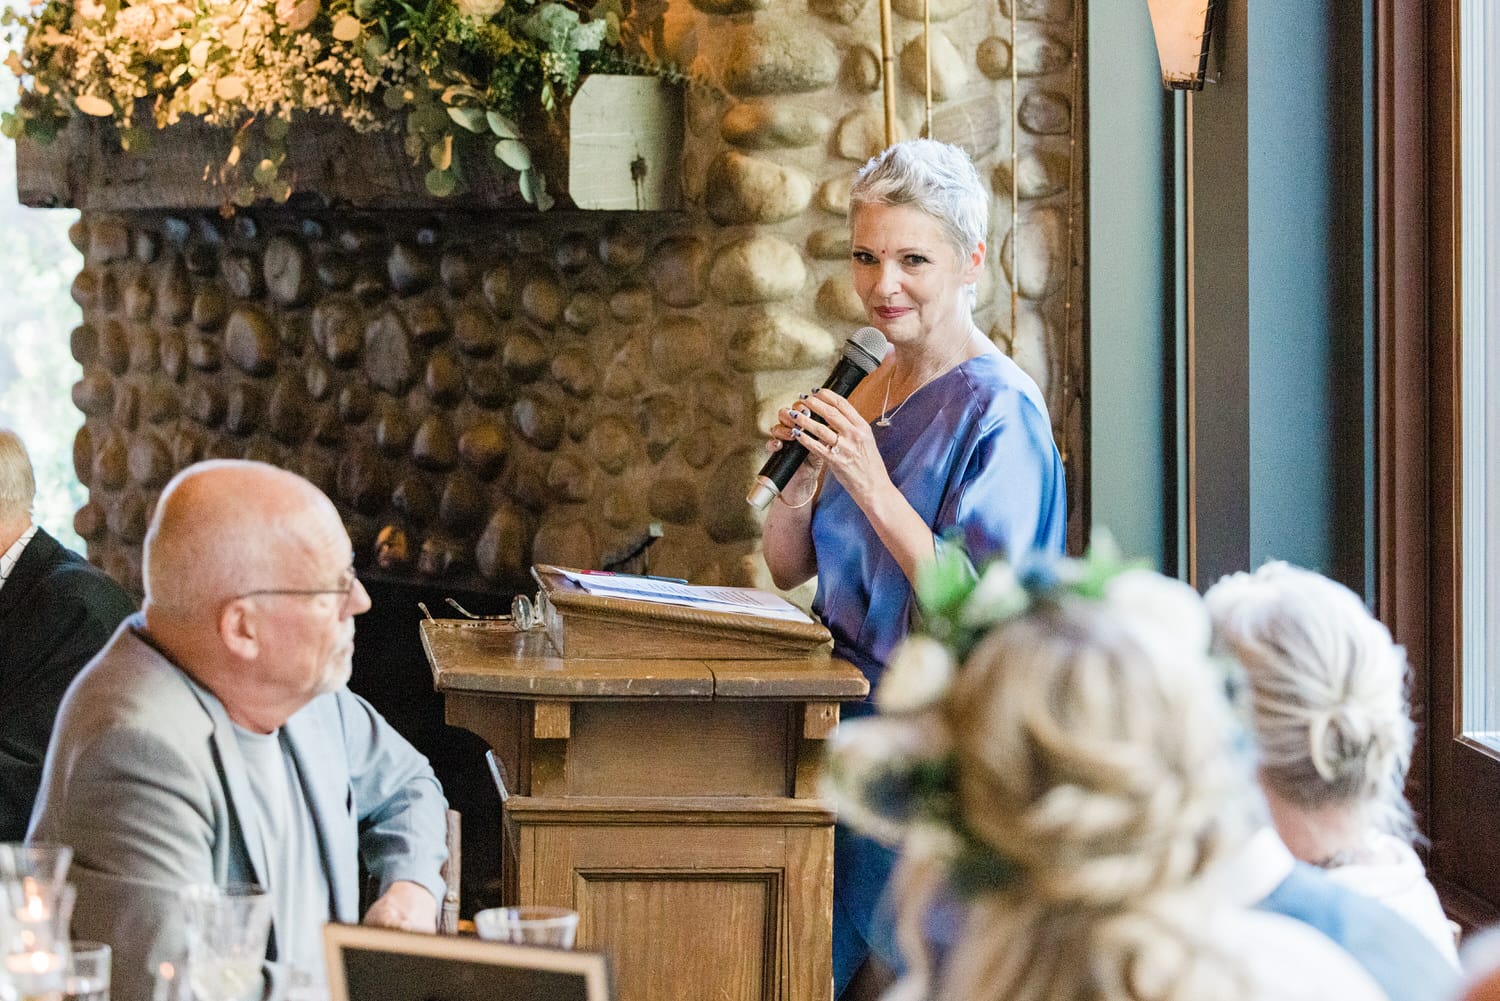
{"type": "Point", "coordinates": [227, 929]}
{"type": "Point", "coordinates": [88, 973]}
{"type": "Point", "coordinates": [529, 925]}
{"type": "Point", "coordinates": [171, 983]}
{"type": "Point", "coordinates": [294, 983]}
{"type": "Point", "coordinates": [34, 937]}
{"type": "Point", "coordinates": [38, 860]}
{"type": "Point", "coordinates": [41, 868]}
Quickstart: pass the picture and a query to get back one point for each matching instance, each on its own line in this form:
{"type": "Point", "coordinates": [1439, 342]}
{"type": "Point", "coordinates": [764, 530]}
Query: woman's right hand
{"type": "Point", "coordinates": [786, 429]}
{"type": "Point", "coordinates": [786, 536]}
{"type": "Point", "coordinates": [785, 424]}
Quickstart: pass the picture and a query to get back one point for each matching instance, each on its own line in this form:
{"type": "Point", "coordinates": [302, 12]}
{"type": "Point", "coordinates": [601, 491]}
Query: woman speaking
{"type": "Point", "coordinates": [946, 435]}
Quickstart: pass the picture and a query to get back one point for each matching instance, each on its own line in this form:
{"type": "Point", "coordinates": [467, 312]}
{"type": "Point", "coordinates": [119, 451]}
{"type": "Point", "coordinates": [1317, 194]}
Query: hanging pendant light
{"type": "Point", "coordinates": [1182, 37]}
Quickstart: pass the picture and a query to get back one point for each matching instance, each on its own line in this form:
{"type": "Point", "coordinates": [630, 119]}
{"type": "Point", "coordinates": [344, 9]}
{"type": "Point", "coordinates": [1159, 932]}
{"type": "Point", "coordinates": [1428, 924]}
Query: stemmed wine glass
{"type": "Point", "coordinates": [227, 929]}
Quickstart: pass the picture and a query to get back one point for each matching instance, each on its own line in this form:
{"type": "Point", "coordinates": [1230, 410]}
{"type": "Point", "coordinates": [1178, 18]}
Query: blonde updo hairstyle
{"type": "Point", "coordinates": [1094, 752]}
{"type": "Point", "coordinates": [1329, 692]}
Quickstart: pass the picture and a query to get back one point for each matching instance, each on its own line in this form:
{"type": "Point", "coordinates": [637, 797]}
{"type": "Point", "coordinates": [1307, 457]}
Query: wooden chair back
{"type": "Point", "coordinates": [452, 874]}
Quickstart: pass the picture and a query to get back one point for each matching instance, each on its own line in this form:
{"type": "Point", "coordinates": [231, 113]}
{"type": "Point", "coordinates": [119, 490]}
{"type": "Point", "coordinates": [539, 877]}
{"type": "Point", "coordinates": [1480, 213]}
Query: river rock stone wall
{"type": "Point", "coordinates": [479, 392]}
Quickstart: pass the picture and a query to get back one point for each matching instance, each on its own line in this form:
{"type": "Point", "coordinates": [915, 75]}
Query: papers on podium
{"type": "Point", "coordinates": [592, 615]}
{"type": "Point", "coordinates": [666, 591]}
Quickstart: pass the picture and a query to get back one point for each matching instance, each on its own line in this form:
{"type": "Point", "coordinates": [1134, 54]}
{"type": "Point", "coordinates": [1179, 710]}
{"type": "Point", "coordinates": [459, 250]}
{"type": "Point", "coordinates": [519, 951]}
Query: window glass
{"type": "Point", "coordinates": [37, 313]}
{"type": "Point", "coordinates": [1480, 369]}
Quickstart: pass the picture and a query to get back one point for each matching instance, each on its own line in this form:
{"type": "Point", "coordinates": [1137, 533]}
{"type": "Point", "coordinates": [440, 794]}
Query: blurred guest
{"type": "Point", "coordinates": [1481, 961]}
{"type": "Point", "coordinates": [1334, 733]}
{"type": "Point", "coordinates": [56, 611]}
{"type": "Point", "coordinates": [1485, 988]}
{"type": "Point", "coordinates": [213, 740]}
{"type": "Point", "coordinates": [948, 435]}
{"type": "Point", "coordinates": [1075, 787]}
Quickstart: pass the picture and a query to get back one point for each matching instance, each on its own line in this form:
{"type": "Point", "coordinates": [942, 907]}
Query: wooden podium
{"type": "Point", "coordinates": [671, 801]}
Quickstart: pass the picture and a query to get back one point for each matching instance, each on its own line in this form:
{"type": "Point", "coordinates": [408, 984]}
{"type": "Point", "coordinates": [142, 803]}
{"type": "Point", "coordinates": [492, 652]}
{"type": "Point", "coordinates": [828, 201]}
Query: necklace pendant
{"type": "Point", "coordinates": [884, 422]}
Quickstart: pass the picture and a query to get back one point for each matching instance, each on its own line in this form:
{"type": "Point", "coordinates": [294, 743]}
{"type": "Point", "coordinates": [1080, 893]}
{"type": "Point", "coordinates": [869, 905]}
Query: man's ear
{"type": "Point", "coordinates": [239, 629]}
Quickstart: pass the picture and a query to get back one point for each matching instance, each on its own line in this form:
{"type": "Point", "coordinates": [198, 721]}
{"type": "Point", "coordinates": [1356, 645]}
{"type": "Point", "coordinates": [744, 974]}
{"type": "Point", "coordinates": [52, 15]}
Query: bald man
{"type": "Point", "coordinates": [56, 611]}
{"type": "Point", "coordinates": [213, 739]}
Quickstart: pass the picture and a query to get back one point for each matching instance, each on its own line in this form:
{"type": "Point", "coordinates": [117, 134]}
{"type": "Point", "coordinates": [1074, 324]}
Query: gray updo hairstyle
{"type": "Point", "coordinates": [1329, 691]}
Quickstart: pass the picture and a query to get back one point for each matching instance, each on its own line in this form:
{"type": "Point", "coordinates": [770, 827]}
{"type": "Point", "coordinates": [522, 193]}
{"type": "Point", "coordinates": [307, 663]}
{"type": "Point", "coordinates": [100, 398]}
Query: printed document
{"type": "Point", "coordinates": [743, 600]}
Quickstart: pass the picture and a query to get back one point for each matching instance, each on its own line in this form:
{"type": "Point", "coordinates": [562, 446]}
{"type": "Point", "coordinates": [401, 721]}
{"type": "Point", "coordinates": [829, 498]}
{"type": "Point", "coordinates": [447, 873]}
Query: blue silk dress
{"type": "Point", "coordinates": [972, 449]}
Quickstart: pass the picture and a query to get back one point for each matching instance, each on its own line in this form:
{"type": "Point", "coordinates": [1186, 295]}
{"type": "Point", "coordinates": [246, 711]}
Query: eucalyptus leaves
{"type": "Point", "coordinates": [457, 77]}
{"type": "Point", "coordinates": [510, 150]}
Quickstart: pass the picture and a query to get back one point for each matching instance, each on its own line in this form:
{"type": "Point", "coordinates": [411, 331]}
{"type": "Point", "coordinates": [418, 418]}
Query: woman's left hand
{"type": "Point", "coordinates": [846, 443]}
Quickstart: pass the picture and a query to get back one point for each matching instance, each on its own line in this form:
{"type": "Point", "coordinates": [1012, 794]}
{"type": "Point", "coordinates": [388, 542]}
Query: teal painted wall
{"type": "Point", "coordinates": [1130, 292]}
{"type": "Point", "coordinates": [1275, 152]}
{"type": "Point", "coordinates": [1281, 332]}
{"type": "Point", "coordinates": [1307, 289]}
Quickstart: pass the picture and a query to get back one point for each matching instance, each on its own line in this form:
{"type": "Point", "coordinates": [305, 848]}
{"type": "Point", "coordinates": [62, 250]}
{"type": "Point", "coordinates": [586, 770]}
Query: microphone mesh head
{"type": "Point", "coordinates": [866, 348]}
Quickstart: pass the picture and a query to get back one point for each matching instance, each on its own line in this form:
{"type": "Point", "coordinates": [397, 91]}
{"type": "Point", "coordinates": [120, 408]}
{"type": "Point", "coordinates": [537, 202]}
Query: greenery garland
{"type": "Point", "coordinates": [449, 73]}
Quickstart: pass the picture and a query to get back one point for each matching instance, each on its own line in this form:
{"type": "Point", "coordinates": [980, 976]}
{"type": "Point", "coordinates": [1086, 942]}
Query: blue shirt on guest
{"type": "Point", "coordinates": [1391, 949]}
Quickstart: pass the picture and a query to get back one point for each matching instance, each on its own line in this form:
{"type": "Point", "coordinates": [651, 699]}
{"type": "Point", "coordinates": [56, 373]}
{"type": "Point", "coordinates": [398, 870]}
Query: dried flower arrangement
{"type": "Point", "coordinates": [449, 73]}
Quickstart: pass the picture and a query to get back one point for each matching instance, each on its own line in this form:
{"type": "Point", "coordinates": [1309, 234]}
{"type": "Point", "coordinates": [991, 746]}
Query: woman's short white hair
{"type": "Point", "coordinates": [17, 481]}
{"type": "Point", "coordinates": [934, 177]}
{"type": "Point", "coordinates": [1329, 690]}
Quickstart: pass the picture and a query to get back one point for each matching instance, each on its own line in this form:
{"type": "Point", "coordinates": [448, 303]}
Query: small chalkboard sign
{"type": "Point", "coordinates": [378, 964]}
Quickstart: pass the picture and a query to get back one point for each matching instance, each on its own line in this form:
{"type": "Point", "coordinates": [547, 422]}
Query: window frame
{"type": "Point", "coordinates": [1455, 781]}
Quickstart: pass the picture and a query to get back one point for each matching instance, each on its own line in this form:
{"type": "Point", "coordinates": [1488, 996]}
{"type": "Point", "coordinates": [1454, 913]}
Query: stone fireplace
{"type": "Point", "coordinates": [480, 387]}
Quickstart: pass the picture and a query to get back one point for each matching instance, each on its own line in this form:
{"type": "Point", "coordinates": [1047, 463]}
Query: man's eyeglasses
{"type": "Point", "coordinates": [347, 580]}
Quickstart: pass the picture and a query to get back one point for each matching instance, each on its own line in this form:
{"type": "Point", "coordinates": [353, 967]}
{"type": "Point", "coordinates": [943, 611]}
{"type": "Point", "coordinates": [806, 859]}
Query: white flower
{"type": "Point", "coordinates": [1168, 606]}
{"type": "Point", "coordinates": [136, 23]}
{"type": "Point", "coordinates": [91, 104]}
{"type": "Point", "coordinates": [230, 88]}
{"type": "Point", "coordinates": [295, 15]}
{"type": "Point", "coordinates": [929, 840]}
{"type": "Point", "coordinates": [998, 596]}
{"type": "Point", "coordinates": [918, 673]}
{"type": "Point", "coordinates": [198, 93]}
{"type": "Point", "coordinates": [872, 763]}
{"type": "Point", "coordinates": [479, 10]}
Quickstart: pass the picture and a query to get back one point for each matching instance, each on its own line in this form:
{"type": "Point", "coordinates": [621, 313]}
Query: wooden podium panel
{"type": "Point", "coordinates": [672, 803]}
{"type": "Point", "coordinates": [710, 748]}
{"type": "Point", "coordinates": [691, 900]}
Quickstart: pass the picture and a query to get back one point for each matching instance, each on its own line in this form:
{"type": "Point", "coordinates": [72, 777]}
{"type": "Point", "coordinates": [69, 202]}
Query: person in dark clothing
{"type": "Point", "coordinates": [56, 611]}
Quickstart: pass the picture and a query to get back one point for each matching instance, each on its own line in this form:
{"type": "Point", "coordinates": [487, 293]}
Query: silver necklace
{"type": "Point", "coordinates": [886, 418]}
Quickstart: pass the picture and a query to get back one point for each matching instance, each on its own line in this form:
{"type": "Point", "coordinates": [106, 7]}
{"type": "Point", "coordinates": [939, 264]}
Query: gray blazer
{"type": "Point", "coordinates": [142, 777]}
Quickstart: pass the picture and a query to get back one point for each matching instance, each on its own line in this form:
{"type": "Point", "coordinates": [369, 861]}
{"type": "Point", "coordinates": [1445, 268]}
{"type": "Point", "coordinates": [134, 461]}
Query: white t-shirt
{"type": "Point", "coordinates": [1388, 870]}
{"type": "Point", "coordinates": [1287, 960]}
{"type": "Point", "coordinates": [299, 886]}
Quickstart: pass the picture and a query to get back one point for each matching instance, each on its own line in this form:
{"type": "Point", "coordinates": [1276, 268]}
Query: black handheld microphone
{"type": "Point", "coordinates": [862, 354]}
